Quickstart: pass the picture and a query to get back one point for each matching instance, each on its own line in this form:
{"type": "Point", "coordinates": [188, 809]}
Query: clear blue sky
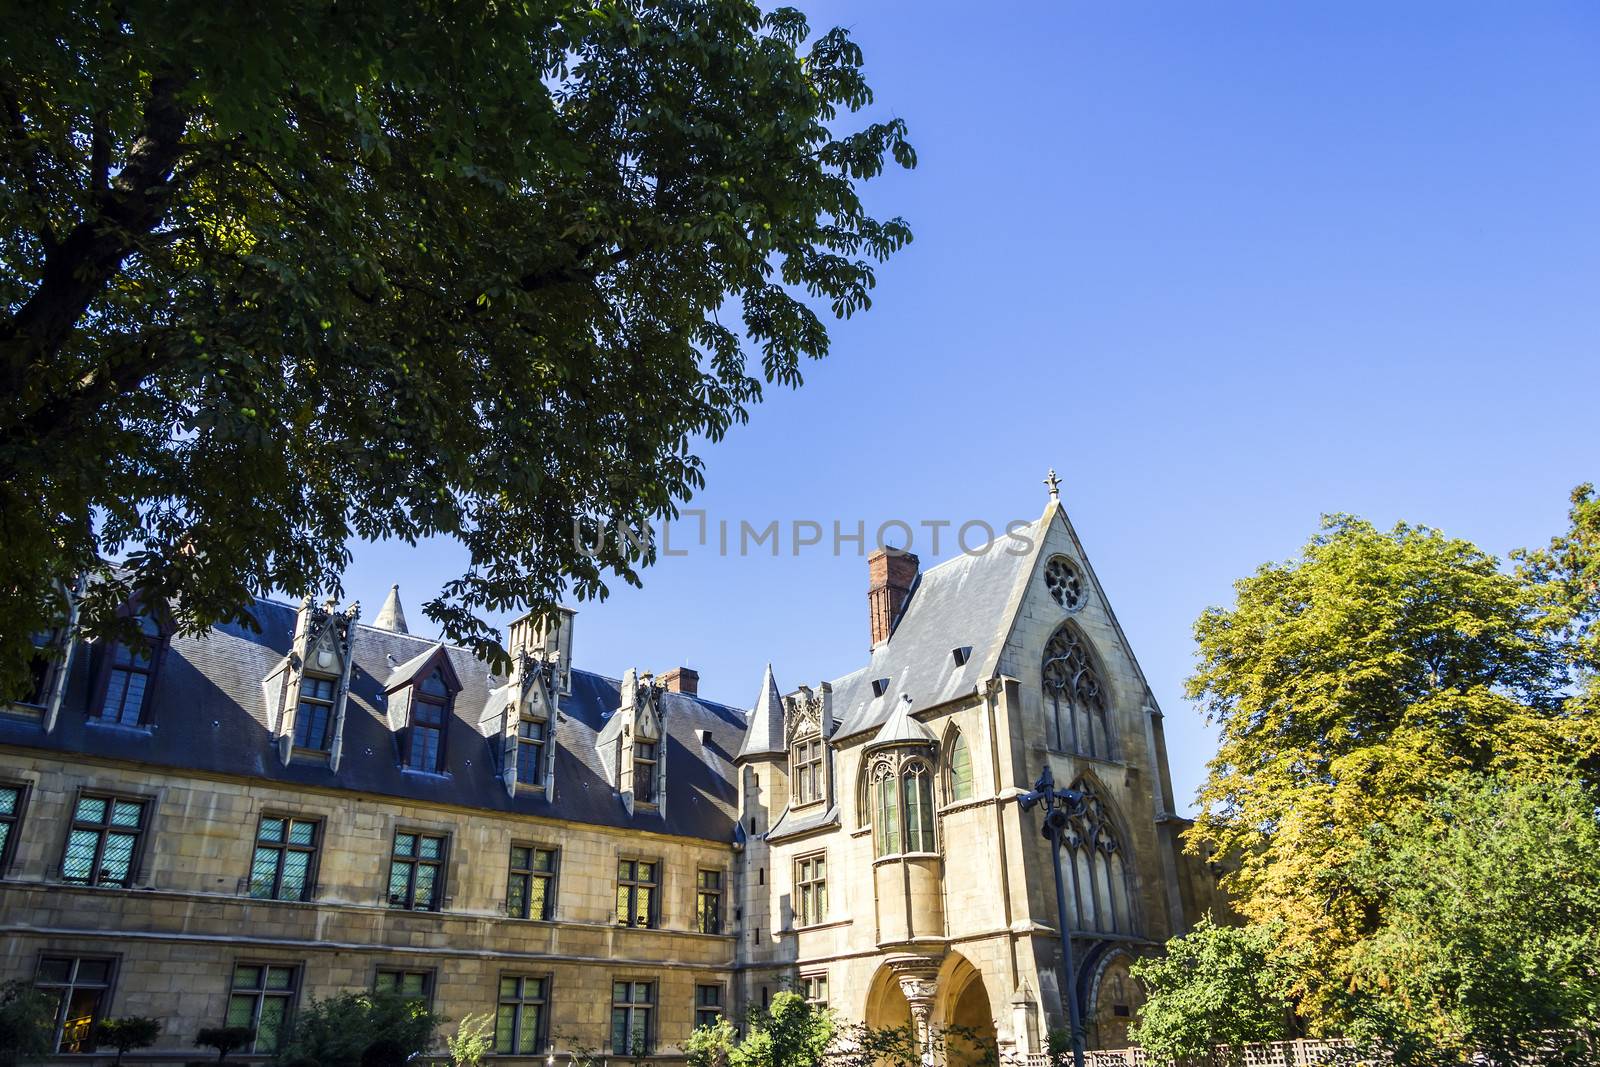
{"type": "Point", "coordinates": [1225, 266]}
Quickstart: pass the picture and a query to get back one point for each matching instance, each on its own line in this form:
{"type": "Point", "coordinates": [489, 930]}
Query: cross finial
{"type": "Point", "coordinates": [1054, 483]}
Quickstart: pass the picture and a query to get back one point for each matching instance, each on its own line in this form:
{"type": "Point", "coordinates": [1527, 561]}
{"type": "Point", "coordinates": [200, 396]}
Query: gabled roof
{"type": "Point", "coordinates": [962, 603]}
{"type": "Point", "coordinates": [407, 671]}
{"type": "Point", "coordinates": [763, 735]}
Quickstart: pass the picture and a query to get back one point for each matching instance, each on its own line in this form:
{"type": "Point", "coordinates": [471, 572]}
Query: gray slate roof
{"type": "Point", "coordinates": [960, 603]}
{"type": "Point", "coordinates": [764, 736]}
{"type": "Point", "coordinates": [207, 713]}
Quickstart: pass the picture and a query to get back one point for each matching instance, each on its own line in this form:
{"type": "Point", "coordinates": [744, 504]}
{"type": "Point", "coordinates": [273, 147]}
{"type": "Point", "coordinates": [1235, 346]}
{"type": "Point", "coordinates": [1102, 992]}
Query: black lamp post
{"type": "Point", "coordinates": [1060, 805]}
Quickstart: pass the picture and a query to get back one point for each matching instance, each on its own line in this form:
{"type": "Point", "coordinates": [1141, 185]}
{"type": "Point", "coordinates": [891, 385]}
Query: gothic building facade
{"type": "Point", "coordinates": [219, 829]}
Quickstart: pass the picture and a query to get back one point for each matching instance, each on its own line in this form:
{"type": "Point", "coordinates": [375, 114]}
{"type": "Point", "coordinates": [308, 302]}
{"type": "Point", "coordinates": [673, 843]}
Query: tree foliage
{"type": "Point", "coordinates": [1355, 688]}
{"type": "Point", "coordinates": [126, 1034]}
{"type": "Point", "coordinates": [1216, 985]}
{"type": "Point", "coordinates": [26, 1024]}
{"type": "Point", "coordinates": [1488, 932]}
{"type": "Point", "coordinates": [1568, 571]}
{"type": "Point", "coordinates": [472, 1041]}
{"type": "Point", "coordinates": [224, 1039]}
{"type": "Point", "coordinates": [339, 1031]}
{"type": "Point", "coordinates": [277, 274]}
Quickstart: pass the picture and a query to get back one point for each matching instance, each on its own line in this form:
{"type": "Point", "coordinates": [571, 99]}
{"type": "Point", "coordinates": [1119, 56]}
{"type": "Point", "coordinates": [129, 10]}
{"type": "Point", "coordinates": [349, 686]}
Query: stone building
{"type": "Point", "coordinates": [218, 829]}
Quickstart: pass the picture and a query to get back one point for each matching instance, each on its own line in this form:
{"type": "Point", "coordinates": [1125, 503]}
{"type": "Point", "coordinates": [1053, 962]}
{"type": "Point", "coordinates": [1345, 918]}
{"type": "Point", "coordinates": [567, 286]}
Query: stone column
{"type": "Point", "coordinates": [919, 982]}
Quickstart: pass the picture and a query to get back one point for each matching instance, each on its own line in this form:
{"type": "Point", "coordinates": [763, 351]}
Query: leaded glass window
{"type": "Point", "coordinates": [286, 852]}
{"type": "Point", "coordinates": [811, 887]}
{"type": "Point", "coordinates": [531, 892]}
{"type": "Point", "coordinates": [632, 1004]}
{"type": "Point", "coordinates": [10, 819]}
{"type": "Point", "coordinates": [708, 902]}
{"type": "Point", "coordinates": [128, 682]}
{"type": "Point", "coordinates": [261, 998]}
{"type": "Point", "coordinates": [103, 842]}
{"type": "Point", "coordinates": [530, 751]}
{"type": "Point", "coordinates": [416, 871]}
{"type": "Point", "coordinates": [410, 985]}
{"type": "Point", "coordinates": [76, 990]}
{"type": "Point", "coordinates": [520, 1018]}
{"type": "Point", "coordinates": [1100, 899]}
{"type": "Point", "coordinates": [960, 769]}
{"type": "Point", "coordinates": [425, 740]}
{"type": "Point", "coordinates": [313, 718]}
{"type": "Point", "coordinates": [1075, 698]}
{"type": "Point", "coordinates": [707, 1005]}
{"type": "Point", "coordinates": [916, 790]}
{"type": "Point", "coordinates": [637, 884]}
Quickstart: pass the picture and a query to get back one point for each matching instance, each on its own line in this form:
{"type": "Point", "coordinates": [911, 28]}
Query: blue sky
{"type": "Point", "coordinates": [1225, 266]}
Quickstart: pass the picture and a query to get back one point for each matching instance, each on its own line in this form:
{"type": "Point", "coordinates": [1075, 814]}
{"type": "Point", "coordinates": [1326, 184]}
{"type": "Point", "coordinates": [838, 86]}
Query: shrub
{"type": "Point", "coordinates": [338, 1031]}
{"type": "Point", "coordinates": [126, 1034]}
{"type": "Point", "coordinates": [224, 1039]}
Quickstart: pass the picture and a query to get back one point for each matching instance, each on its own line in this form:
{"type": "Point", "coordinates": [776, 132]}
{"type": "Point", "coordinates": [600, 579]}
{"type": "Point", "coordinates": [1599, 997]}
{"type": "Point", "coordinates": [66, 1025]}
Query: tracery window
{"type": "Point", "coordinates": [1100, 899]}
{"type": "Point", "coordinates": [1075, 698]}
{"type": "Point", "coordinates": [1065, 582]}
{"type": "Point", "coordinates": [902, 797]}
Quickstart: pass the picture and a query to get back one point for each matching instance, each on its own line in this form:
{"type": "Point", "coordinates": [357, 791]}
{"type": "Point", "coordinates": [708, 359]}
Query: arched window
{"type": "Point", "coordinates": [1074, 696]}
{"type": "Point", "coordinates": [901, 790]}
{"type": "Point", "coordinates": [958, 767]}
{"type": "Point", "coordinates": [128, 679]}
{"type": "Point", "coordinates": [1100, 899]}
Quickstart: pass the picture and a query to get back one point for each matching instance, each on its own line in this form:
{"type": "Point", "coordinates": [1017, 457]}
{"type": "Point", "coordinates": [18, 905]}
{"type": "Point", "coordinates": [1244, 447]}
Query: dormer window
{"type": "Point", "coordinates": [128, 681]}
{"type": "Point", "coordinates": [313, 718]}
{"type": "Point", "coordinates": [644, 772]}
{"type": "Point", "coordinates": [425, 736]}
{"type": "Point", "coordinates": [805, 761]}
{"type": "Point", "coordinates": [531, 735]}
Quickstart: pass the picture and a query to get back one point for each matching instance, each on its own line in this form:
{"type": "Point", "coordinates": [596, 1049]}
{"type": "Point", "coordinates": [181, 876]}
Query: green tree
{"type": "Point", "coordinates": [1216, 985]}
{"type": "Point", "coordinates": [338, 1031]}
{"type": "Point", "coordinates": [472, 1041]}
{"type": "Point", "coordinates": [277, 274]}
{"type": "Point", "coordinates": [1488, 936]}
{"type": "Point", "coordinates": [1568, 570]}
{"type": "Point", "coordinates": [224, 1039]}
{"type": "Point", "coordinates": [1347, 685]}
{"type": "Point", "coordinates": [126, 1034]}
{"type": "Point", "coordinates": [27, 1024]}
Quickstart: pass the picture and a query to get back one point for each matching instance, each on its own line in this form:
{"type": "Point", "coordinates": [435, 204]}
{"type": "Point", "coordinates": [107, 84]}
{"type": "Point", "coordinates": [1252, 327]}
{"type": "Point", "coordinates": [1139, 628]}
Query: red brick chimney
{"type": "Point", "coordinates": [682, 680]}
{"type": "Point", "coordinates": [890, 573]}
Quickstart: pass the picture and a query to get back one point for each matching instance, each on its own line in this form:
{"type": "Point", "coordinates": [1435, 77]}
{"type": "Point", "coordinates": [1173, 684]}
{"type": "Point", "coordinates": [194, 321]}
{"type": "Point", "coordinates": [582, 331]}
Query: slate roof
{"type": "Point", "coordinates": [208, 713]}
{"type": "Point", "coordinates": [960, 603]}
{"type": "Point", "coordinates": [764, 736]}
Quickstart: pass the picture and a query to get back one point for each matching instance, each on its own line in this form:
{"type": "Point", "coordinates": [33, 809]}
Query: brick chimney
{"type": "Point", "coordinates": [682, 680]}
{"type": "Point", "coordinates": [890, 572]}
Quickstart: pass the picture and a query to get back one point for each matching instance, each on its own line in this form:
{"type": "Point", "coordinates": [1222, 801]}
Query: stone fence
{"type": "Point", "coordinates": [1302, 1053]}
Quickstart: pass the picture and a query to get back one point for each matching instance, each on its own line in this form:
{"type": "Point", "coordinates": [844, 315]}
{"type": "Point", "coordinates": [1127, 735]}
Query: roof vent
{"type": "Point", "coordinates": [961, 655]}
{"type": "Point", "coordinates": [880, 686]}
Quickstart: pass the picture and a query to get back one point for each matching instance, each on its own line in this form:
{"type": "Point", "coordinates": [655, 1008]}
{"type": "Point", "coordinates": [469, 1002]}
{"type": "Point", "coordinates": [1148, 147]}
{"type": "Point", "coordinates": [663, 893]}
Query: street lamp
{"type": "Point", "coordinates": [1060, 805]}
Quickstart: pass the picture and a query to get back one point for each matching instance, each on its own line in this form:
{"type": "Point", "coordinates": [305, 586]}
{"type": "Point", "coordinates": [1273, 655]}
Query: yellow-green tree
{"type": "Point", "coordinates": [1350, 684]}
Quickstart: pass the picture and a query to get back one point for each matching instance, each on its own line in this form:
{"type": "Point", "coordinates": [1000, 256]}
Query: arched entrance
{"type": "Point", "coordinates": [886, 1006]}
{"type": "Point", "coordinates": [966, 1014]}
{"type": "Point", "coordinates": [1117, 1001]}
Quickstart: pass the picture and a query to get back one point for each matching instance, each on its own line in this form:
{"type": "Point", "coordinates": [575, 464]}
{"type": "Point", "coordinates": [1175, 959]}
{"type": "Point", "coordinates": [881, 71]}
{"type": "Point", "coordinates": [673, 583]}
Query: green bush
{"type": "Point", "coordinates": [338, 1031]}
{"type": "Point", "coordinates": [224, 1039]}
{"type": "Point", "coordinates": [26, 1024]}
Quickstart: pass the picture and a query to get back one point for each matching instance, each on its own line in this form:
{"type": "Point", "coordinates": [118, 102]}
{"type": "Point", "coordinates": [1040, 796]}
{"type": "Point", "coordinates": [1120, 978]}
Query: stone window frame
{"type": "Point", "coordinates": [719, 891]}
{"type": "Point", "coordinates": [141, 845]}
{"type": "Point", "coordinates": [647, 769]}
{"type": "Point", "coordinates": [1098, 846]}
{"type": "Point", "coordinates": [532, 873]}
{"type": "Point", "coordinates": [808, 764]}
{"type": "Point", "coordinates": [955, 736]}
{"type": "Point", "coordinates": [113, 963]}
{"type": "Point", "coordinates": [1087, 680]}
{"type": "Point", "coordinates": [631, 884]}
{"type": "Point", "coordinates": [442, 880]}
{"type": "Point", "coordinates": [811, 889]}
{"type": "Point", "coordinates": [518, 1002]}
{"type": "Point", "coordinates": [261, 992]}
{"type": "Point", "coordinates": [706, 1013]}
{"type": "Point", "coordinates": [887, 776]}
{"type": "Point", "coordinates": [313, 865]}
{"type": "Point", "coordinates": [1066, 583]}
{"type": "Point", "coordinates": [14, 822]}
{"type": "Point", "coordinates": [106, 667]}
{"type": "Point", "coordinates": [812, 982]}
{"type": "Point", "coordinates": [330, 705]}
{"type": "Point", "coordinates": [632, 1006]}
{"type": "Point", "coordinates": [430, 981]}
{"type": "Point", "coordinates": [539, 745]}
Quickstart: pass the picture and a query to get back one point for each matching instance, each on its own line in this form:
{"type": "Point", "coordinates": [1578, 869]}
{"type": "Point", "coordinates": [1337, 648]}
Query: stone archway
{"type": "Point", "coordinates": [965, 1007]}
{"type": "Point", "coordinates": [1117, 1001]}
{"type": "Point", "coordinates": [886, 1006]}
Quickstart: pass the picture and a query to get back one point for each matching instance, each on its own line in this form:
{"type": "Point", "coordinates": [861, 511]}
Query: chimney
{"type": "Point", "coordinates": [682, 680]}
{"type": "Point", "coordinates": [890, 572]}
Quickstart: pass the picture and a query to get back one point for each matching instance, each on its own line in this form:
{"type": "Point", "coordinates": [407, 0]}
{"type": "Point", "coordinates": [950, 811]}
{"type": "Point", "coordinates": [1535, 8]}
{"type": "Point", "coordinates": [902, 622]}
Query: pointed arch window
{"type": "Point", "coordinates": [958, 768]}
{"type": "Point", "coordinates": [130, 676]}
{"type": "Point", "coordinates": [1101, 899]}
{"type": "Point", "coordinates": [902, 798]}
{"type": "Point", "coordinates": [430, 709]}
{"type": "Point", "coordinates": [1075, 697]}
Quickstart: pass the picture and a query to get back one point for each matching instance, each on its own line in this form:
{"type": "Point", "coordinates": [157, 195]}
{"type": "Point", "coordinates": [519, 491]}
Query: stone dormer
{"type": "Point", "coordinates": [307, 691]}
{"type": "Point", "coordinates": [633, 745]}
{"type": "Point", "coordinates": [808, 725]}
{"type": "Point", "coordinates": [528, 724]}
